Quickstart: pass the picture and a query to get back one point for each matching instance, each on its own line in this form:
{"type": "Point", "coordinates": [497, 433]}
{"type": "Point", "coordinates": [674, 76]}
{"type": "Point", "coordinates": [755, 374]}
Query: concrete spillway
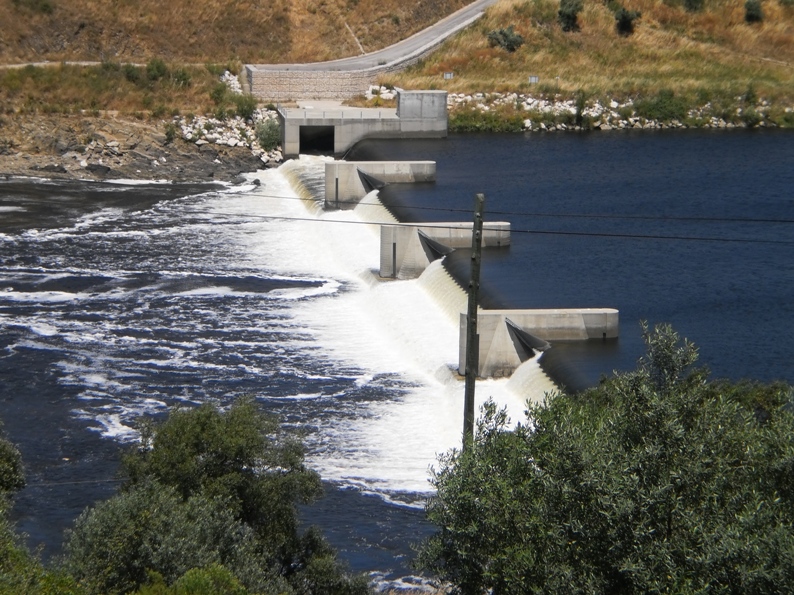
{"type": "Point", "coordinates": [510, 337]}
{"type": "Point", "coordinates": [407, 250]}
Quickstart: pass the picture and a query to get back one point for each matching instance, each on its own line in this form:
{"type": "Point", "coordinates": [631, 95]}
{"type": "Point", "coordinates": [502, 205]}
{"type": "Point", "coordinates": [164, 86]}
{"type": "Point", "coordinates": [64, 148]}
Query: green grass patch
{"type": "Point", "coordinates": [474, 120]}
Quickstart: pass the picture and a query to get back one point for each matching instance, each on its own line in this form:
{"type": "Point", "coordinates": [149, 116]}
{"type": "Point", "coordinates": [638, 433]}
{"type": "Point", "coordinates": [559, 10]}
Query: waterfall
{"type": "Point", "coordinates": [530, 380]}
{"type": "Point", "coordinates": [448, 294]}
{"type": "Point", "coordinates": [306, 176]}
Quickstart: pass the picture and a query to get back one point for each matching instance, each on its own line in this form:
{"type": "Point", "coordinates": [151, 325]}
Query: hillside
{"type": "Point", "coordinates": [709, 55]}
{"type": "Point", "coordinates": [208, 30]}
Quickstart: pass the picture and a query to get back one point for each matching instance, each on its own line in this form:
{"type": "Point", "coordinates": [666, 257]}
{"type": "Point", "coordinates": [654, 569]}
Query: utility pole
{"type": "Point", "coordinates": [472, 336]}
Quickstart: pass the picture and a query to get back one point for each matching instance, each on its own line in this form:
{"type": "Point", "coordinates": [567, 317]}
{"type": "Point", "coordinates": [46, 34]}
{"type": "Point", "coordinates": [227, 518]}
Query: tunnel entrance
{"type": "Point", "coordinates": [317, 140]}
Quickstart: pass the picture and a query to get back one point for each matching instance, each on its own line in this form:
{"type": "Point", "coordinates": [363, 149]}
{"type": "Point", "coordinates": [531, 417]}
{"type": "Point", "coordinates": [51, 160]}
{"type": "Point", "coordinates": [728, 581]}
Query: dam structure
{"type": "Point", "coordinates": [506, 338]}
{"type": "Point", "coordinates": [333, 128]}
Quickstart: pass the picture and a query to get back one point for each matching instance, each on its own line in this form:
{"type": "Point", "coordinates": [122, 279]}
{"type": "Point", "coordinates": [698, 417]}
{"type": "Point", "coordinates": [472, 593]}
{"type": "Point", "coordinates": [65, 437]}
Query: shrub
{"type": "Point", "coordinates": [132, 73]}
{"type": "Point", "coordinates": [664, 107]}
{"type": "Point", "coordinates": [751, 117]}
{"type": "Point", "coordinates": [474, 120]}
{"type": "Point", "coordinates": [245, 105]}
{"type": "Point", "coordinates": [507, 39]}
{"type": "Point", "coordinates": [42, 6]}
{"type": "Point", "coordinates": [181, 78]}
{"type": "Point", "coordinates": [694, 5]}
{"type": "Point", "coordinates": [655, 481]}
{"type": "Point", "coordinates": [624, 20]}
{"type": "Point", "coordinates": [171, 132]}
{"type": "Point", "coordinates": [753, 12]}
{"type": "Point", "coordinates": [209, 488]}
{"type": "Point", "coordinates": [569, 13]}
{"type": "Point", "coordinates": [268, 134]}
{"type": "Point", "coordinates": [156, 69]}
{"type": "Point", "coordinates": [218, 93]}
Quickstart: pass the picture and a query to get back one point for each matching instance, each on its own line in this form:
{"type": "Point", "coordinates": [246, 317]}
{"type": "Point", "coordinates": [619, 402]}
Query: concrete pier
{"type": "Point", "coordinates": [419, 114]}
{"type": "Point", "coordinates": [345, 186]}
{"type": "Point", "coordinates": [407, 250]}
{"type": "Point", "coordinates": [510, 337]}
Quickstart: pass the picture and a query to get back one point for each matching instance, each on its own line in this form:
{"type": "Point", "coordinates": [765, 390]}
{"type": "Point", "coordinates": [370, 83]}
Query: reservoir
{"type": "Point", "coordinates": [121, 300]}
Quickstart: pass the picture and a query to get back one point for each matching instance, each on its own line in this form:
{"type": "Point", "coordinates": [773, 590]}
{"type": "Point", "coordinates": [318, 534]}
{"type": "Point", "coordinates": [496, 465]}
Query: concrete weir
{"type": "Point", "coordinates": [347, 182]}
{"type": "Point", "coordinates": [510, 337]}
{"type": "Point", "coordinates": [407, 250]}
{"type": "Point", "coordinates": [334, 130]}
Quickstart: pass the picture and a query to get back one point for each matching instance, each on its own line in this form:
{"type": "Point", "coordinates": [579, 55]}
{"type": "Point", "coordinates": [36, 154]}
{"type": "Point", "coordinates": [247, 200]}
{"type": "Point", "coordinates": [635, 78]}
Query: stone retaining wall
{"type": "Point", "coordinates": [296, 85]}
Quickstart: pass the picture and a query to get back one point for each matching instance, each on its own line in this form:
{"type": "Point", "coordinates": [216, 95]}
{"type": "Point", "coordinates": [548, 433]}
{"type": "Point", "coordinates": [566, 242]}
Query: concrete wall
{"type": "Point", "coordinates": [498, 353]}
{"type": "Point", "coordinates": [424, 115]}
{"type": "Point", "coordinates": [403, 257]}
{"type": "Point", "coordinates": [297, 85]}
{"type": "Point", "coordinates": [343, 185]}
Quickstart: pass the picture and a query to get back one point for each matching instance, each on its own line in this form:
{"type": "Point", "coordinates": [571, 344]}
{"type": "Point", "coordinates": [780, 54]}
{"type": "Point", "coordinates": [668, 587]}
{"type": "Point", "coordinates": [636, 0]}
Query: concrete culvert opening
{"type": "Point", "coordinates": [317, 140]}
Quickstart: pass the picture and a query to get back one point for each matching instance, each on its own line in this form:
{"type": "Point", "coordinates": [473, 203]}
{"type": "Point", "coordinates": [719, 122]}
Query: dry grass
{"type": "Point", "coordinates": [709, 54]}
{"type": "Point", "coordinates": [207, 30]}
{"type": "Point", "coordinates": [64, 89]}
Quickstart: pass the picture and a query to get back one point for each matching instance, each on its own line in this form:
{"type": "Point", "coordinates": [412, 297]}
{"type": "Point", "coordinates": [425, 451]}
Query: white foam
{"type": "Point", "coordinates": [397, 329]}
{"type": "Point", "coordinates": [12, 209]}
{"type": "Point", "coordinates": [44, 330]}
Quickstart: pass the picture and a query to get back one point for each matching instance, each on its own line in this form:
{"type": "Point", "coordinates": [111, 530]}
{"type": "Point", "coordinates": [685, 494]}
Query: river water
{"type": "Point", "coordinates": [123, 300]}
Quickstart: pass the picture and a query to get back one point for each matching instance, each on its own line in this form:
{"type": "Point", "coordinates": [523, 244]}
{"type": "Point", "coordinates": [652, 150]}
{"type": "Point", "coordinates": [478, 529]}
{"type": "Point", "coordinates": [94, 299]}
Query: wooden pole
{"type": "Point", "coordinates": [472, 336]}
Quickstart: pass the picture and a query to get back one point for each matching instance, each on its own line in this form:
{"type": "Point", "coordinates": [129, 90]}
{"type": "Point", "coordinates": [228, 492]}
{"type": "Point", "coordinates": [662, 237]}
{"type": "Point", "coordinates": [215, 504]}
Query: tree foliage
{"type": "Point", "coordinates": [21, 572]}
{"type": "Point", "coordinates": [657, 480]}
{"type": "Point", "coordinates": [753, 13]}
{"type": "Point", "coordinates": [205, 488]}
{"type": "Point", "coordinates": [624, 20]}
{"type": "Point", "coordinates": [568, 15]}
{"type": "Point", "coordinates": [507, 39]}
{"type": "Point", "coordinates": [268, 133]}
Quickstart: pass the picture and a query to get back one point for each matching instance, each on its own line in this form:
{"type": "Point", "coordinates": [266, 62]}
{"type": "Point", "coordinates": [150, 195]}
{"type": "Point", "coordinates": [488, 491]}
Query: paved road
{"type": "Point", "coordinates": [401, 51]}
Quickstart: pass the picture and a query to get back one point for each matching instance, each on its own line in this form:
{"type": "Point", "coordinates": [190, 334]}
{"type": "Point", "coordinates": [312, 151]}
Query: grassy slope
{"type": "Point", "coordinates": [711, 56]}
{"type": "Point", "coordinates": [207, 30]}
{"type": "Point", "coordinates": [706, 56]}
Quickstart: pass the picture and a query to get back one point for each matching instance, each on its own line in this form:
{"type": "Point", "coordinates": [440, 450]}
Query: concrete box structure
{"type": "Point", "coordinates": [502, 348]}
{"type": "Point", "coordinates": [419, 114]}
{"type": "Point", "coordinates": [405, 252]}
{"type": "Point", "coordinates": [345, 186]}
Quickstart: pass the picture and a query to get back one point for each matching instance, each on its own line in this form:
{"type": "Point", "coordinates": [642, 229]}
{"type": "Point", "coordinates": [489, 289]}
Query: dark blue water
{"type": "Point", "coordinates": [119, 301]}
{"type": "Point", "coordinates": [588, 214]}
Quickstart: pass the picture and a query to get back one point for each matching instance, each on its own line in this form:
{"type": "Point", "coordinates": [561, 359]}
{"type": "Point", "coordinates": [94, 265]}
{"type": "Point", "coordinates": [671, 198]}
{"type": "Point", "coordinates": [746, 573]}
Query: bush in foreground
{"type": "Point", "coordinates": [208, 488]}
{"type": "Point", "coordinates": [656, 481]}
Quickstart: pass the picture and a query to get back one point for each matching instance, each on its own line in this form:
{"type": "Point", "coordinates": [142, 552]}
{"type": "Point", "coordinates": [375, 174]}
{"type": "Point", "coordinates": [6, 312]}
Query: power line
{"type": "Point", "coordinates": [563, 215]}
{"type": "Point", "coordinates": [522, 231]}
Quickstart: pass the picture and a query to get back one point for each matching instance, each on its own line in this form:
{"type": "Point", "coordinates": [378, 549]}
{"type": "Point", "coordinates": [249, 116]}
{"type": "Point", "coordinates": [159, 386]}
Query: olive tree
{"type": "Point", "coordinates": [657, 480]}
{"type": "Point", "coordinates": [209, 488]}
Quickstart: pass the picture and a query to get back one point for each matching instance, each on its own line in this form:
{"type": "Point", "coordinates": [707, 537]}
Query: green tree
{"type": "Point", "coordinates": [208, 487]}
{"type": "Point", "coordinates": [12, 476]}
{"type": "Point", "coordinates": [657, 480]}
{"type": "Point", "coordinates": [20, 572]}
{"type": "Point", "coordinates": [624, 20]}
{"type": "Point", "coordinates": [507, 39]}
{"type": "Point", "coordinates": [568, 15]}
{"type": "Point", "coordinates": [753, 13]}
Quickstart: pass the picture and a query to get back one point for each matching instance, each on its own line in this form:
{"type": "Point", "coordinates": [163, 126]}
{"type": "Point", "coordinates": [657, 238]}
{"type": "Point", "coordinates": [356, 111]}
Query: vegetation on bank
{"type": "Point", "coordinates": [155, 90]}
{"type": "Point", "coordinates": [639, 50]}
{"type": "Point", "coordinates": [198, 31]}
{"type": "Point", "coordinates": [656, 481]}
{"type": "Point", "coordinates": [209, 506]}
